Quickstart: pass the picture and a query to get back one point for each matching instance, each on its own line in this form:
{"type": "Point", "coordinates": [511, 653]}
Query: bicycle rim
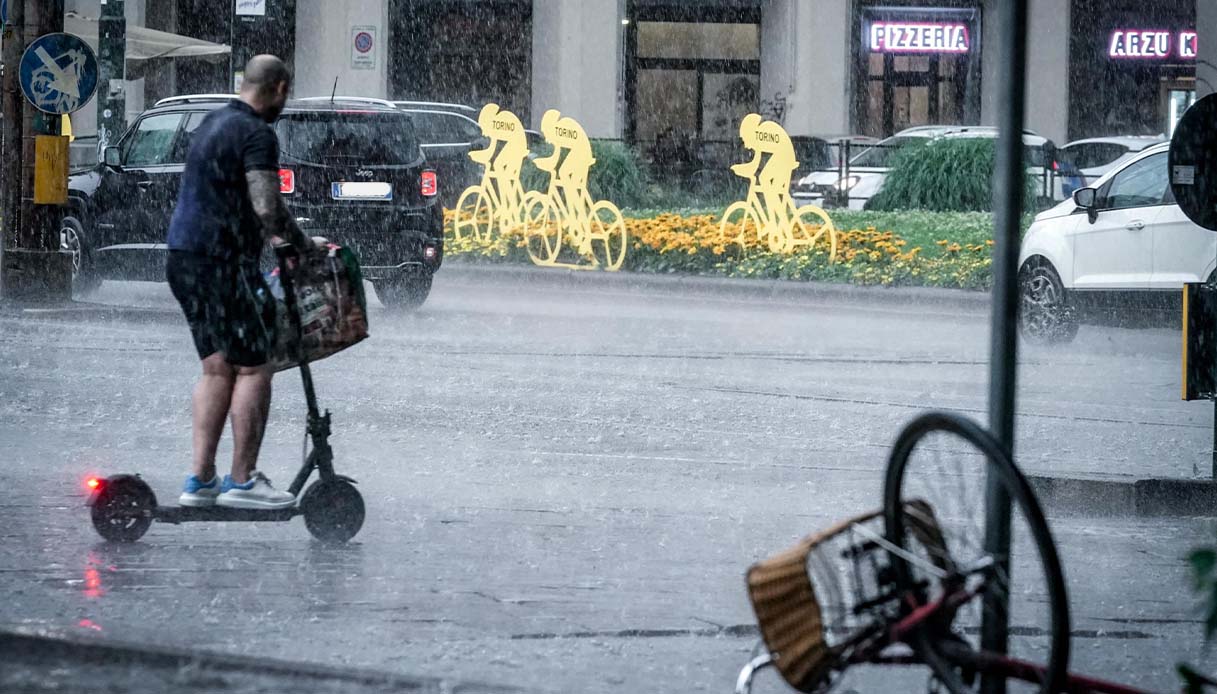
{"type": "Point", "coordinates": [944, 460]}
{"type": "Point", "coordinates": [542, 231]}
{"type": "Point", "coordinates": [469, 207]}
{"type": "Point", "coordinates": [608, 230]}
{"type": "Point", "coordinates": [738, 226]}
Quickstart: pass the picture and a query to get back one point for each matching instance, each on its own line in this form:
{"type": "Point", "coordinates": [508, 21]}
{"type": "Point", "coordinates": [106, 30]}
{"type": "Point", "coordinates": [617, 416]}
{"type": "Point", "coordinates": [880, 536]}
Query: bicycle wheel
{"type": "Point", "coordinates": [811, 215]}
{"type": "Point", "coordinates": [609, 241]}
{"type": "Point", "coordinates": [738, 225]}
{"type": "Point", "coordinates": [945, 460]}
{"type": "Point", "coordinates": [473, 215]}
{"type": "Point", "coordinates": [542, 228]}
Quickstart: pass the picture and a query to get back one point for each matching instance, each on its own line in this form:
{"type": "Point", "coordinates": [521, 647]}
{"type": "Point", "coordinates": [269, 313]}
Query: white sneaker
{"type": "Point", "coordinates": [257, 493]}
{"type": "Point", "coordinates": [196, 493]}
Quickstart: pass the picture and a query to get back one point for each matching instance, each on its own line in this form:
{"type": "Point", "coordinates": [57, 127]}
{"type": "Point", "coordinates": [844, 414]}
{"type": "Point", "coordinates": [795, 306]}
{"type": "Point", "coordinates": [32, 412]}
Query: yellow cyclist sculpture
{"type": "Point", "coordinates": [768, 212]}
{"type": "Point", "coordinates": [565, 216]}
{"type": "Point", "coordinates": [495, 203]}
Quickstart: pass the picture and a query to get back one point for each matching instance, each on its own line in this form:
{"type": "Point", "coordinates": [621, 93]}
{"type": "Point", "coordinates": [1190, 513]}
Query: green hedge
{"type": "Point", "coordinates": [944, 175]}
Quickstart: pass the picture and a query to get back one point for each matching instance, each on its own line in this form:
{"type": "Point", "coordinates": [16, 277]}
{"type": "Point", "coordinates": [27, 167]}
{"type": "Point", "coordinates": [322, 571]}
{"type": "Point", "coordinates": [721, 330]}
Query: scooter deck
{"type": "Point", "coordinates": [190, 514]}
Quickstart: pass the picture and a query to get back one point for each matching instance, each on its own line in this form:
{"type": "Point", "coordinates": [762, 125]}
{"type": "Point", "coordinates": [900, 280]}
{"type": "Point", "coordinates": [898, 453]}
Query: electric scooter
{"type": "Point", "coordinates": [123, 506]}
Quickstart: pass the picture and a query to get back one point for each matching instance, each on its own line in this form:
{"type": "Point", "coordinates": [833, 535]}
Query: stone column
{"type": "Point", "coordinates": [578, 63]}
{"type": "Point", "coordinates": [324, 40]}
{"type": "Point", "coordinates": [805, 57]}
{"type": "Point", "coordinates": [1047, 67]}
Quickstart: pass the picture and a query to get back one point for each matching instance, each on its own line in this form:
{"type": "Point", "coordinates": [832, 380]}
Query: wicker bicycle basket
{"type": "Point", "coordinates": [805, 597]}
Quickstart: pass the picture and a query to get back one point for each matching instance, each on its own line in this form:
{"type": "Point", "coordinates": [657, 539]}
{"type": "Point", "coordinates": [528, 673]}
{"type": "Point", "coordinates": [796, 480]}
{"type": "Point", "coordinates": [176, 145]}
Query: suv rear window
{"type": "Point", "coordinates": [348, 137]}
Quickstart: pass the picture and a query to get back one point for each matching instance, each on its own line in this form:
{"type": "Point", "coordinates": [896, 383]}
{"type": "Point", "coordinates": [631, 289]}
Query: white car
{"type": "Point", "coordinates": [868, 170]}
{"type": "Point", "coordinates": [1096, 156]}
{"type": "Point", "coordinates": [1120, 245]}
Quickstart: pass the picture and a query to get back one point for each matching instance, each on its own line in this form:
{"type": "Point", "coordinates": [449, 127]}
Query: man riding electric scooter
{"type": "Point", "coordinates": [228, 208]}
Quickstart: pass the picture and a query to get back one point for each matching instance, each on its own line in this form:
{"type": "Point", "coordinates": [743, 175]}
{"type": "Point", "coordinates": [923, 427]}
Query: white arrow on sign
{"type": "Point", "coordinates": [63, 83]}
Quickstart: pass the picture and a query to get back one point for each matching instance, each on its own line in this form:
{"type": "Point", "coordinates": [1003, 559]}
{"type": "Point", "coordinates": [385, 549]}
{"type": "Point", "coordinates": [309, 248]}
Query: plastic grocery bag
{"type": "Point", "coordinates": [332, 305]}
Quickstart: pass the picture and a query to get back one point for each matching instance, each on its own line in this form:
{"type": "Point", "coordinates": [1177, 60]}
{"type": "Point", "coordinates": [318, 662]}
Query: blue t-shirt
{"type": "Point", "coordinates": [214, 215]}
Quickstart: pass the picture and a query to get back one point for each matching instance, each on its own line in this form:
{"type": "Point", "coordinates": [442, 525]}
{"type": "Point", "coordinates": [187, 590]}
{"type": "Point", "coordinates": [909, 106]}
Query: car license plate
{"type": "Point", "coordinates": [361, 190]}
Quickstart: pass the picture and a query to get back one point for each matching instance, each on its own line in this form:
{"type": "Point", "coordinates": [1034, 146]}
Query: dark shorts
{"type": "Point", "coordinates": [228, 306]}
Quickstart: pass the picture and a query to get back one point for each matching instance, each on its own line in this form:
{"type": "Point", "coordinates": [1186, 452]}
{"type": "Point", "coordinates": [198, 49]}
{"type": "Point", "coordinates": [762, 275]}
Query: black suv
{"type": "Point", "coordinates": [350, 171]}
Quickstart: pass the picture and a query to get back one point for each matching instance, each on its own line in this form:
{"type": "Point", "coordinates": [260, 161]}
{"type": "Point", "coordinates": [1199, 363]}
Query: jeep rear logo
{"type": "Point", "coordinates": [366, 173]}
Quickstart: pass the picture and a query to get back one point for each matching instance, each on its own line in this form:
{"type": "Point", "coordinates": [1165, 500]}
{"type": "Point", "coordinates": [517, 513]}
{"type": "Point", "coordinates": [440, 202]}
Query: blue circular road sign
{"type": "Point", "coordinates": [58, 73]}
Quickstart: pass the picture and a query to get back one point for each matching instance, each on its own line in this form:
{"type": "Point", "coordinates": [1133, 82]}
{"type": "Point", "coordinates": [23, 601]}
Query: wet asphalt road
{"type": "Point", "coordinates": [566, 486]}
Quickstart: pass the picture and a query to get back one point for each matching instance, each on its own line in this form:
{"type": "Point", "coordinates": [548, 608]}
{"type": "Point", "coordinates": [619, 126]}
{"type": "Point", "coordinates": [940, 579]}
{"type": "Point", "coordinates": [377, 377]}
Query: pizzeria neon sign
{"type": "Point", "coordinates": [1152, 43]}
{"type": "Point", "coordinates": [918, 37]}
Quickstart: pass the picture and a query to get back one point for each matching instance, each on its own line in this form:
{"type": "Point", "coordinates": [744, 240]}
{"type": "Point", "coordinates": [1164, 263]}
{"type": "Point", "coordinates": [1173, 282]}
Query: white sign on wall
{"type": "Point", "coordinates": [363, 47]}
{"type": "Point", "coordinates": [252, 8]}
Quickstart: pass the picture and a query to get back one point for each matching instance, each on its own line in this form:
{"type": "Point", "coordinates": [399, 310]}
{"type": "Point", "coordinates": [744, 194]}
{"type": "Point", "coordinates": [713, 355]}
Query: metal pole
{"type": "Point", "coordinates": [1010, 186]}
{"type": "Point", "coordinates": [11, 124]}
{"type": "Point", "coordinates": [112, 70]}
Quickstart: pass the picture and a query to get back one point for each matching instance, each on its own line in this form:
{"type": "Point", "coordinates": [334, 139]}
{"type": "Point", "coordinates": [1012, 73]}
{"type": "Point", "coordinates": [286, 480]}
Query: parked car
{"type": "Point", "coordinates": [467, 111]}
{"type": "Point", "coordinates": [868, 169]}
{"type": "Point", "coordinates": [350, 171]}
{"type": "Point", "coordinates": [1096, 156]}
{"type": "Point", "coordinates": [1118, 247]}
{"type": "Point", "coordinates": [447, 133]}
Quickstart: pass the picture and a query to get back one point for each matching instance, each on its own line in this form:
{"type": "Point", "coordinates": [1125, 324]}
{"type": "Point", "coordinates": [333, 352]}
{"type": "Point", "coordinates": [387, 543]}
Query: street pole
{"type": "Point", "coordinates": [1009, 186]}
{"type": "Point", "coordinates": [10, 128]}
{"type": "Point", "coordinates": [111, 64]}
{"type": "Point", "coordinates": [35, 271]}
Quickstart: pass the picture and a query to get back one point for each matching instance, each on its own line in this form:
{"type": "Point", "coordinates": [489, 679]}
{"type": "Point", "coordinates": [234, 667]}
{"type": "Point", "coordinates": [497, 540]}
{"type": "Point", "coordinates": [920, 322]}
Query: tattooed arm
{"type": "Point", "coordinates": [277, 222]}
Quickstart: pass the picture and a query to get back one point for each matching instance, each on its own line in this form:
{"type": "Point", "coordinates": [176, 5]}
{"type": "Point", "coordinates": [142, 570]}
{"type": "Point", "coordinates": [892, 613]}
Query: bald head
{"type": "Point", "coordinates": [265, 85]}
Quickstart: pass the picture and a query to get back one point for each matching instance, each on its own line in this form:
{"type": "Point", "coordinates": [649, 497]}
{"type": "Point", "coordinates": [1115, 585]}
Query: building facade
{"type": "Point", "coordinates": [646, 70]}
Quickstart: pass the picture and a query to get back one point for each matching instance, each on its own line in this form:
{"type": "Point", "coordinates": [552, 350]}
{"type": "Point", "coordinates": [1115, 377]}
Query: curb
{"type": "Point", "coordinates": [1146, 498]}
{"type": "Point", "coordinates": [18, 645]}
{"type": "Point", "coordinates": [728, 287]}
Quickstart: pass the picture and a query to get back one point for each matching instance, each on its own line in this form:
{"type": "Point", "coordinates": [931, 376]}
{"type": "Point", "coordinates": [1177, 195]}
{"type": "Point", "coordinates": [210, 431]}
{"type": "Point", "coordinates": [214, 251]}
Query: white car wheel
{"type": "Point", "coordinates": [1045, 316]}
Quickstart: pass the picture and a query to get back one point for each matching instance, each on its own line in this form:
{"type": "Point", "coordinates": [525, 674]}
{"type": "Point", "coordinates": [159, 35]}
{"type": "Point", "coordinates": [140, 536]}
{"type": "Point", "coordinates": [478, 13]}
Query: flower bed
{"type": "Point", "coordinates": [934, 250]}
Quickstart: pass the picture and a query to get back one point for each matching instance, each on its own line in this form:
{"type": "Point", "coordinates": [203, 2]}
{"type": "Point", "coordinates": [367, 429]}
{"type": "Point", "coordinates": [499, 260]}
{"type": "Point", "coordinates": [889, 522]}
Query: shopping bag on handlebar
{"type": "Point", "coordinates": [333, 308]}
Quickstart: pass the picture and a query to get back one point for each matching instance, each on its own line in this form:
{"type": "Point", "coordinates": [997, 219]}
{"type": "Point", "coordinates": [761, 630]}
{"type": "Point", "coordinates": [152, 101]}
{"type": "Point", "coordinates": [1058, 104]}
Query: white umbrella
{"type": "Point", "coordinates": [148, 44]}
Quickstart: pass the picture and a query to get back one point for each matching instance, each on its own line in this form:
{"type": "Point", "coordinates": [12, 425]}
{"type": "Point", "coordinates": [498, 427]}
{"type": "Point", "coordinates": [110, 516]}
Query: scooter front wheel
{"type": "Point", "coordinates": [333, 510]}
{"type": "Point", "coordinates": [122, 509]}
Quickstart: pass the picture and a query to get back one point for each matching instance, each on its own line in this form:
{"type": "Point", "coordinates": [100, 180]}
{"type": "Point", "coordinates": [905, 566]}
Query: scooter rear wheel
{"type": "Point", "coordinates": [123, 509]}
{"type": "Point", "coordinates": [333, 510]}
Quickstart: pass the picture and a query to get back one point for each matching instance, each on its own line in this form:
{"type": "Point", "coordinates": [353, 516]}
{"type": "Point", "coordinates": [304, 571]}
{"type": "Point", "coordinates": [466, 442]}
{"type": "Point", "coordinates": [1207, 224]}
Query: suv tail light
{"type": "Point", "coordinates": [428, 185]}
{"type": "Point", "coordinates": [287, 181]}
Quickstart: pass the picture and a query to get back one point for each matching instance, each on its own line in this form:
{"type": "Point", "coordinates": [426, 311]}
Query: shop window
{"type": "Point", "coordinates": [668, 100]}
{"type": "Point", "coordinates": [462, 52]}
{"type": "Point", "coordinates": [691, 75]}
{"type": "Point", "coordinates": [1178, 101]}
{"type": "Point", "coordinates": [694, 41]}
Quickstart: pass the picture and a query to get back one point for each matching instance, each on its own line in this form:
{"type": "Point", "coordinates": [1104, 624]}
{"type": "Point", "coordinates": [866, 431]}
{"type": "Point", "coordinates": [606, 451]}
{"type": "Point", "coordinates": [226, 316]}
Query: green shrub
{"type": "Point", "coordinates": [945, 175]}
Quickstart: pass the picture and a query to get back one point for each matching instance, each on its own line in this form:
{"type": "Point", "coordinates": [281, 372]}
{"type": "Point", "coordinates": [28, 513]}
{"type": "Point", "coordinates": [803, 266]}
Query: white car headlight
{"type": "Point", "coordinates": [844, 184]}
